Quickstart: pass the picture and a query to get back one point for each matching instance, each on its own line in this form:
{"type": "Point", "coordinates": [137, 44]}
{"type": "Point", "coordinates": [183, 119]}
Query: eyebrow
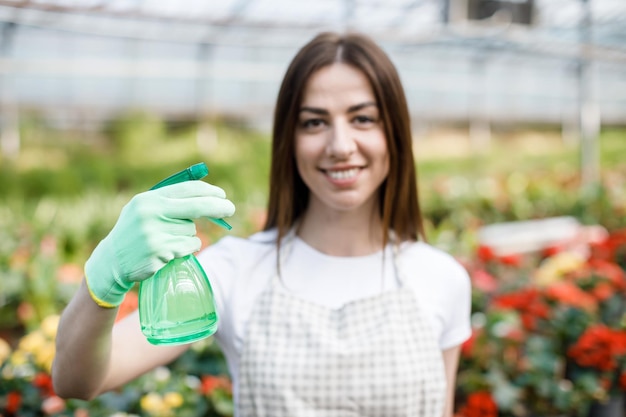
{"type": "Point", "coordinates": [324, 112]}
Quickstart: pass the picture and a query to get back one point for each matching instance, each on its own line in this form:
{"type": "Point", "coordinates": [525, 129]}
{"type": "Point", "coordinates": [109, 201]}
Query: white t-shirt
{"type": "Point", "coordinates": [241, 269]}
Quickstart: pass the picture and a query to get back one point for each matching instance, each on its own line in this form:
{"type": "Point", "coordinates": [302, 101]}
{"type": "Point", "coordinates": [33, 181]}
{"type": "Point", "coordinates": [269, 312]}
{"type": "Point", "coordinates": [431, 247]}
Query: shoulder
{"type": "Point", "coordinates": [421, 258]}
{"type": "Point", "coordinates": [443, 288]}
{"type": "Point", "coordinates": [431, 270]}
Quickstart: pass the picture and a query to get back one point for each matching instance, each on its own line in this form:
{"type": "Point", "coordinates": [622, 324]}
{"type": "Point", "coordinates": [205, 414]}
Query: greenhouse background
{"type": "Point", "coordinates": [519, 122]}
{"type": "Point", "coordinates": [517, 61]}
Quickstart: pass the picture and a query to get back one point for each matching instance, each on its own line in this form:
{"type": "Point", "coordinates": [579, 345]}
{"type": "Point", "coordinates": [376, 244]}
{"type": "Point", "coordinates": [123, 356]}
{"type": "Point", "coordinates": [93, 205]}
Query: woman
{"type": "Point", "coordinates": [336, 308]}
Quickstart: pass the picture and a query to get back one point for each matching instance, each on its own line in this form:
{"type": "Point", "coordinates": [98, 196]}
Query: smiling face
{"type": "Point", "coordinates": [340, 147]}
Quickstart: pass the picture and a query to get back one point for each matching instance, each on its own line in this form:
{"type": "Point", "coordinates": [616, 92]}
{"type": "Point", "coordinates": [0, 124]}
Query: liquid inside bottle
{"type": "Point", "coordinates": [176, 305]}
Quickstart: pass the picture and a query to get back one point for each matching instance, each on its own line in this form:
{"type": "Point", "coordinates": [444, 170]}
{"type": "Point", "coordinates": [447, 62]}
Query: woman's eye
{"type": "Point", "coordinates": [364, 120]}
{"type": "Point", "coordinates": [312, 123]}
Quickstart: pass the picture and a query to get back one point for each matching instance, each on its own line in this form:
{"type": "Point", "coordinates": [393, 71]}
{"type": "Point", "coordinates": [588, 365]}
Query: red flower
{"type": "Point", "coordinates": [479, 404]}
{"type": "Point", "coordinates": [468, 346]}
{"type": "Point", "coordinates": [517, 300]}
{"type": "Point", "coordinates": [551, 250]}
{"type": "Point", "coordinates": [512, 259]}
{"type": "Point", "coordinates": [610, 248]}
{"type": "Point", "coordinates": [622, 381]}
{"type": "Point", "coordinates": [14, 401]}
{"type": "Point", "coordinates": [599, 347]}
{"type": "Point", "coordinates": [43, 381]}
{"type": "Point", "coordinates": [602, 250]}
{"type": "Point", "coordinates": [485, 253]}
{"type": "Point", "coordinates": [529, 304]}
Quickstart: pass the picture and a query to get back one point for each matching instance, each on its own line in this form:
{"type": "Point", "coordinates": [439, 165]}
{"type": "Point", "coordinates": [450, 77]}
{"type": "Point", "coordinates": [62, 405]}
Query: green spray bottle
{"type": "Point", "coordinates": [176, 304]}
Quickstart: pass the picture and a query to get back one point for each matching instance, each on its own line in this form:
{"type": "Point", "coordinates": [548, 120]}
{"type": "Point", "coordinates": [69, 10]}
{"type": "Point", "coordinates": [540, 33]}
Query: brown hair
{"type": "Point", "coordinates": [289, 195]}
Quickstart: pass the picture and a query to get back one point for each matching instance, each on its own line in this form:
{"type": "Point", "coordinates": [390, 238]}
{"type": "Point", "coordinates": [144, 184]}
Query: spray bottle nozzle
{"type": "Point", "coordinates": [194, 172]}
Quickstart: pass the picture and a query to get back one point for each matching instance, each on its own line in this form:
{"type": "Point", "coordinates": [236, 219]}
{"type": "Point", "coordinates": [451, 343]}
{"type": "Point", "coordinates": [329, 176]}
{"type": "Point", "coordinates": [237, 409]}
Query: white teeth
{"type": "Point", "coordinates": [343, 175]}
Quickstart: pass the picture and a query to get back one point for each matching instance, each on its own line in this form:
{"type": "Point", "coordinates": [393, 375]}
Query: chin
{"type": "Point", "coordinates": [346, 205]}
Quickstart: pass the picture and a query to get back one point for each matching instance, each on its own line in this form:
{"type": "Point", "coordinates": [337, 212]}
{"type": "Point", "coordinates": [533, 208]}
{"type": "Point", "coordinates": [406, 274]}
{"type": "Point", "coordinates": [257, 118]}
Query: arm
{"type": "Point", "coordinates": [451, 363]}
{"type": "Point", "coordinates": [94, 355]}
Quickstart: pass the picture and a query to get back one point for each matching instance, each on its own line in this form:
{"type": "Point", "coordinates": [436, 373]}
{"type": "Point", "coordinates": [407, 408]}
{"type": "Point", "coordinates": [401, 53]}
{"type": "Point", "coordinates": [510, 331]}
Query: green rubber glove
{"type": "Point", "coordinates": [153, 228]}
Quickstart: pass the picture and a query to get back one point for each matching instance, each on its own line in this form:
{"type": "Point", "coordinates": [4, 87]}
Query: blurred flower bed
{"type": "Point", "coordinates": [549, 332]}
{"type": "Point", "coordinates": [194, 385]}
{"type": "Point", "coordinates": [548, 327]}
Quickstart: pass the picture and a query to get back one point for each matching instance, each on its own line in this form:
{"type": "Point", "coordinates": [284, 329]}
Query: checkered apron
{"type": "Point", "coordinates": [372, 357]}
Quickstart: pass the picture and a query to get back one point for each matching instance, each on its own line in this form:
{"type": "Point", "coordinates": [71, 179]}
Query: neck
{"type": "Point", "coordinates": [342, 233]}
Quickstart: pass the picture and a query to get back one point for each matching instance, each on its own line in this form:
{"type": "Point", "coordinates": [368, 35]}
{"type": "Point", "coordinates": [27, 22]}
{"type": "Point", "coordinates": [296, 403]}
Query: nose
{"type": "Point", "coordinates": [341, 141]}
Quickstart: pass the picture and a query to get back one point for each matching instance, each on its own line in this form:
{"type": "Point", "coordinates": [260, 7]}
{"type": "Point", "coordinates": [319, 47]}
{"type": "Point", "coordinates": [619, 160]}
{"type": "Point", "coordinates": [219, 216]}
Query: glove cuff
{"type": "Point", "coordinates": [106, 298]}
{"type": "Point", "coordinates": [97, 299]}
{"type": "Point", "coordinates": [107, 292]}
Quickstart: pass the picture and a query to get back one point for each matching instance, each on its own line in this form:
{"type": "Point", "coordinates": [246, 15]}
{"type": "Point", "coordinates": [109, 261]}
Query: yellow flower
{"type": "Point", "coordinates": [5, 350]}
{"type": "Point", "coordinates": [153, 404]}
{"type": "Point", "coordinates": [173, 399]}
{"type": "Point", "coordinates": [150, 401]}
{"type": "Point", "coordinates": [554, 268]}
{"type": "Point", "coordinates": [45, 355]}
{"type": "Point", "coordinates": [33, 341]}
{"type": "Point", "coordinates": [49, 326]}
{"type": "Point", "coordinates": [19, 357]}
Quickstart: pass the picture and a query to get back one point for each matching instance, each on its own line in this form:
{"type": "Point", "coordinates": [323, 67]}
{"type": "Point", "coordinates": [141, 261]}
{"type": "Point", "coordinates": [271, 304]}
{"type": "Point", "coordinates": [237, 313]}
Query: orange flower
{"type": "Point", "coordinates": [484, 281]}
{"type": "Point", "coordinates": [211, 383]}
{"type": "Point", "coordinates": [129, 305]}
{"type": "Point", "coordinates": [26, 312]}
{"type": "Point", "coordinates": [610, 271]}
{"type": "Point", "coordinates": [603, 270]}
{"type": "Point", "coordinates": [603, 291]}
{"type": "Point", "coordinates": [569, 293]}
